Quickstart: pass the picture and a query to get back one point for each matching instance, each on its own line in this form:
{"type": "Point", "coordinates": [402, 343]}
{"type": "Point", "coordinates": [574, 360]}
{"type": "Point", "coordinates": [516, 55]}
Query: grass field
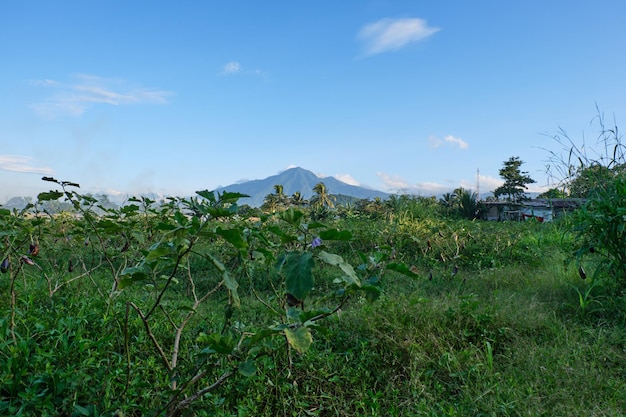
{"type": "Point", "coordinates": [493, 319]}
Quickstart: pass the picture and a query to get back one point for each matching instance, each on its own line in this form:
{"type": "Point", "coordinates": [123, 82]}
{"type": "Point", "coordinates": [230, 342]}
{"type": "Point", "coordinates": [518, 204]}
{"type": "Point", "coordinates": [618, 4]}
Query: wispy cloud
{"type": "Point", "coordinates": [396, 184]}
{"type": "Point", "coordinates": [84, 91]}
{"type": "Point", "coordinates": [18, 163]}
{"type": "Point", "coordinates": [347, 178]}
{"type": "Point", "coordinates": [234, 67]}
{"type": "Point", "coordinates": [486, 183]}
{"type": "Point", "coordinates": [435, 142]}
{"type": "Point", "coordinates": [393, 34]}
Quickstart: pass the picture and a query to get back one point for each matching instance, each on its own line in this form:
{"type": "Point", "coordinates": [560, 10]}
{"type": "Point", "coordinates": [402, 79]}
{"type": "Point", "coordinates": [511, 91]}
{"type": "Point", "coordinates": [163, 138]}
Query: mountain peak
{"type": "Point", "coordinates": [297, 179]}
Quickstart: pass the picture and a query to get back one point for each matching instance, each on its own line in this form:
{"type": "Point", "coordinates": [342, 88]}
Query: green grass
{"type": "Point", "coordinates": [506, 342]}
{"type": "Point", "coordinates": [520, 335]}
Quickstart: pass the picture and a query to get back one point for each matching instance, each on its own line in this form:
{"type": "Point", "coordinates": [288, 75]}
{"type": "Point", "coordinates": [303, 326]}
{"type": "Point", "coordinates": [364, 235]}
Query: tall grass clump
{"type": "Point", "coordinates": [597, 174]}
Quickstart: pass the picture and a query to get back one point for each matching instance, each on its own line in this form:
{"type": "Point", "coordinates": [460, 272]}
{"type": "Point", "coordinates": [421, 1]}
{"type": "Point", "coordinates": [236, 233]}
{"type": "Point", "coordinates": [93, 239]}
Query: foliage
{"type": "Point", "coordinates": [515, 180]}
{"type": "Point", "coordinates": [144, 251]}
{"type": "Point", "coordinates": [599, 177]}
{"type": "Point", "coordinates": [322, 198]}
{"type": "Point", "coordinates": [194, 307]}
{"type": "Point", "coordinates": [553, 193]}
{"type": "Point", "coordinates": [463, 203]}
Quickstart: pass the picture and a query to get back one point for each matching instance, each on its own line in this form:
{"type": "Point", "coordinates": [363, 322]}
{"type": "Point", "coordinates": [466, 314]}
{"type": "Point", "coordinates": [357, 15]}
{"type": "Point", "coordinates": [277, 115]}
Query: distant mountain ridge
{"type": "Point", "coordinates": [297, 180]}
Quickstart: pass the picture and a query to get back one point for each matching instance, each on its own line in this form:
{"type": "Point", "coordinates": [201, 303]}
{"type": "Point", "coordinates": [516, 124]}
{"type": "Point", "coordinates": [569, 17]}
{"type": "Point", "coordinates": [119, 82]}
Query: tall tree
{"type": "Point", "coordinates": [515, 181]}
{"type": "Point", "coordinates": [276, 201]}
{"type": "Point", "coordinates": [321, 197]}
{"type": "Point", "coordinates": [297, 199]}
{"type": "Point", "coordinates": [468, 205]}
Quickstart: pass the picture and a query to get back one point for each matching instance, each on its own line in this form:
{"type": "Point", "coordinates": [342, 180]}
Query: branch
{"type": "Point", "coordinates": [144, 319]}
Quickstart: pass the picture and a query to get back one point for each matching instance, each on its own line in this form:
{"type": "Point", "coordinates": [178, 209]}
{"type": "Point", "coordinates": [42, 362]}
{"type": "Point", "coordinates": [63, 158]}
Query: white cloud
{"type": "Point", "coordinates": [456, 141]}
{"type": "Point", "coordinates": [232, 67]}
{"type": "Point", "coordinates": [392, 34]}
{"type": "Point", "coordinates": [75, 98]}
{"type": "Point", "coordinates": [486, 184]}
{"type": "Point", "coordinates": [394, 183]}
{"type": "Point", "coordinates": [17, 163]}
{"type": "Point", "coordinates": [435, 142]}
{"type": "Point", "coordinates": [347, 178]}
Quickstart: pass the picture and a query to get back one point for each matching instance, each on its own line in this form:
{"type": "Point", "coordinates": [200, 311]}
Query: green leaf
{"type": "Point", "coordinates": [228, 197]}
{"type": "Point", "coordinates": [180, 218]}
{"type": "Point", "coordinates": [402, 268]}
{"type": "Point", "coordinates": [334, 234]}
{"type": "Point", "coordinates": [217, 343]}
{"type": "Point", "coordinates": [109, 226]}
{"type": "Point", "coordinates": [284, 237]}
{"type": "Point", "coordinates": [158, 250]}
{"type": "Point", "coordinates": [51, 195]}
{"type": "Point", "coordinates": [372, 293]}
{"type": "Point", "coordinates": [209, 195]}
{"type": "Point", "coordinates": [129, 209]}
{"type": "Point", "coordinates": [247, 368]}
{"type": "Point", "coordinates": [291, 216]}
{"type": "Point", "coordinates": [82, 411]}
{"type": "Point", "coordinates": [336, 260]}
{"type": "Point", "coordinates": [233, 236]}
{"type": "Point", "coordinates": [131, 275]}
{"type": "Point", "coordinates": [315, 225]}
{"type": "Point", "coordinates": [298, 268]}
{"type": "Point", "coordinates": [5, 212]}
{"type": "Point", "coordinates": [300, 339]}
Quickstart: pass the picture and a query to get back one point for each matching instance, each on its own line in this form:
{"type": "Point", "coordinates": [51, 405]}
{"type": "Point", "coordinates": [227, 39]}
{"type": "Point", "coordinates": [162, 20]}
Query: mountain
{"type": "Point", "coordinates": [297, 179]}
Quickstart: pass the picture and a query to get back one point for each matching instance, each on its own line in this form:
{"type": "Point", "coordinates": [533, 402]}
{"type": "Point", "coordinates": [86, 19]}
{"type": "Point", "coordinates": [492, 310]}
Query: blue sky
{"type": "Point", "coordinates": [127, 97]}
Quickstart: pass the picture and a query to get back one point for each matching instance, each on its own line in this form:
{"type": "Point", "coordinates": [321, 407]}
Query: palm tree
{"type": "Point", "coordinates": [276, 201]}
{"type": "Point", "coordinates": [297, 199]}
{"type": "Point", "coordinates": [448, 201]}
{"type": "Point", "coordinates": [467, 200]}
{"type": "Point", "coordinates": [321, 197]}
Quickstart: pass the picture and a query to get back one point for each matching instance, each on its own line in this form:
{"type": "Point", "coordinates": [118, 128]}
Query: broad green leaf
{"type": "Point", "coordinates": [372, 293]}
{"type": "Point", "coordinates": [165, 226]}
{"type": "Point", "coordinates": [247, 368]}
{"type": "Point", "coordinates": [79, 410]}
{"type": "Point", "coordinates": [315, 225]}
{"type": "Point", "coordinates": [298, 273]}
{"type": "Point", "coordinates": [233, 236]}
{"type": "Point", "coordinates": [291, 216]}
{"type": "Point", "coordinates": [180, 218]}
{"type": "Point", "coordinates": [129, 209]}
{"type": "Point", "coordinates": [229, 197]}
{"type": "Point", "coordinates": [131, 275]}
{"type": "Point", "coordinates": [108, 226]}
{"type": "Point", "coordinates": [336, 260]}
{"type": "Point", "coordinates": [217, 343]}
{"type": "Point", "coordinates": [334, 234]}
{"type": "Point", "coordinates": [402, 268]}
{"type": "Point", "coordinates": [309, 314]}
{"type": "Point", "coordinates": [284, 237]}
{"type": "Point", "coordinates": [262, 334]}
{"type": "Point", "coordinates": [51, 195]}
{"type": "Point", "coordinates": [158, 250]}
{"type": "Point", "coordinates": [300, 339]}
{"type": "Point", "coordinates": [209, 195]}
{"type": "Point", "coordinates": [5, 212]}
